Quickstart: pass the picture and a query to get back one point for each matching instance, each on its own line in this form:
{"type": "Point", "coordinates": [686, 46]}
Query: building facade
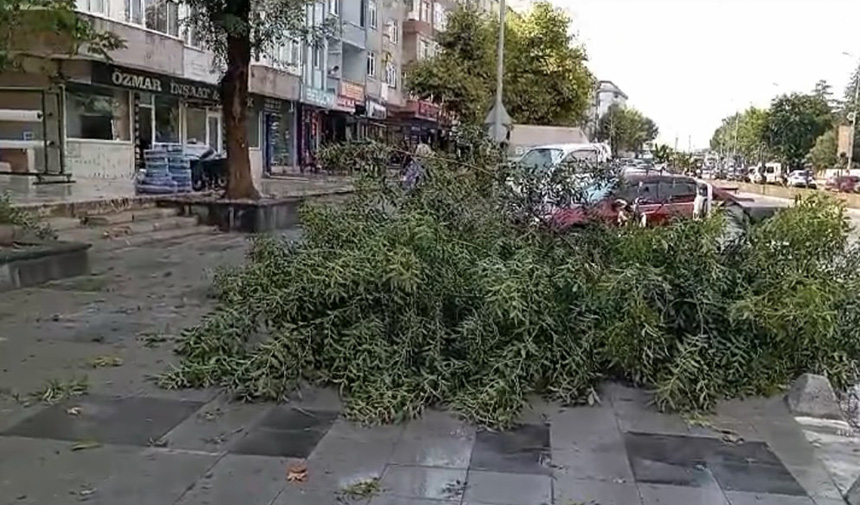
{"type": "Point", "coordinates": [606, 94]}
{"type": "Point", "coordinates": [162, 88]}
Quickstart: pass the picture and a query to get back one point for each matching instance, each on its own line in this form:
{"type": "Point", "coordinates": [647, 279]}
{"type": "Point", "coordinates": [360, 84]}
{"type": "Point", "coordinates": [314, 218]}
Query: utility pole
{"type": "Point", "coordinates": [854, 119]}
{"type": "Point", "coordinates": [498, 127]}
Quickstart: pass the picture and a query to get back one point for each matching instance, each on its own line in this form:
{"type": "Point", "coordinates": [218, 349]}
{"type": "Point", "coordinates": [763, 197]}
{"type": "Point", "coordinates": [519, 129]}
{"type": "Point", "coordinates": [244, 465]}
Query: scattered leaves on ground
{"type": "Point", "coordinates": [55, 390]}
{"type": "Point", "coordinates": [105, 362]}
{"type": "Point", "coordinates": [297, 472]}
{"type": "Point", "coordinates": [361, 490]}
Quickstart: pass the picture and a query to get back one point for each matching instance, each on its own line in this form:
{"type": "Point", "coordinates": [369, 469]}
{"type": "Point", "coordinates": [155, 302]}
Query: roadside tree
{"type": "Point", "coordinates": [40, 29]}
{"type": "Point", "coordinates": [823, 154]}
{"type": "Point", "coordinates": [236, 31]}
{"type": "Point", "coordinates": [626, 129]}
{"type": "Point", "coordinates": [794, 123]}
{"type": "Point", "coordinates": [545, 82]}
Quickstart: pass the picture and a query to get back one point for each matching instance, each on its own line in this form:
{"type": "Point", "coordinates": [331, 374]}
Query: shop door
{"type": "Point", "coordinates": [144, 132]}
{"type": "Point", "coordinates": [269, 129]}
{"type": "Point", "coordinates": [214, 131]}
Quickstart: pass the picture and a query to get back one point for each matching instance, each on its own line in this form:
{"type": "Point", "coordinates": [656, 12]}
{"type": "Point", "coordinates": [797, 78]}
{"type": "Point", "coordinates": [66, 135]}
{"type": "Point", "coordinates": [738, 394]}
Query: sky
{"type": "Point", "coordinates": [688, 63]}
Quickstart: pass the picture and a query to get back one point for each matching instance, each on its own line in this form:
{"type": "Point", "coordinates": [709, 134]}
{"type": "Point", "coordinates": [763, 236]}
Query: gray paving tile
{"type": "Point", "coordinates": [508, 488]}
{"type": "Point", "coordinates": [524, 449]}
{"type": "Point", "coordinates": [566, 490]}
{"type": "Point", "coordinates": [48, 472]}
{"type": "Point", "coordinates": [250, 480]}
{"type": "Point", "coordinates": [656, 494]}
{"type": "Point", "coordinates": [583, 427]}
{"type": "Point", "coordinates": [285, 432]}
{"type": "Point", "coordinates": [828, 501]}
{"type": "Point", "coordinates": [435, 439]}
{"type": "Point", "coordinates": [605, 462]}
{"type": "Point", "coordinates": [756, 479]}
{"type": "Point", "coordinates": [298, 494]}
{"type": "Point", "coordinates": [816, 480]}
{"type": "Point", "coordinates": [215, 426]}
{"type": "Point", "coordinates": [741, 498]}
{"type": "Point", "coordinates": [154, 477]}
{"type": "Point", "coordinates": [424, 482]}
{"type": "Point", "coordinates": [130, 420]}
{"type": "Point", "coordinates": [647, 420]}
{"type": "Point", "coordinates": [399, 500]}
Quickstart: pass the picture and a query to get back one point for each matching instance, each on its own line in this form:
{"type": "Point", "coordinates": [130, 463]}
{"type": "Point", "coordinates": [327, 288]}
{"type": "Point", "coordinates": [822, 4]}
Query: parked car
{"type": "Point", "coordinates": [655, 199]}
{"type": "Point", "coordinates": [843, 183]}
{"type": "Point", "coordinates": [801, 179]}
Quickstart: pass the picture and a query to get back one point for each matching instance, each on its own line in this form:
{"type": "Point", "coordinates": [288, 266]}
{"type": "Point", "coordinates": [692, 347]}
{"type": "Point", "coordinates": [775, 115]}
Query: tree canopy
{"type": "Point", "coordinates": [823, 154]}
{"type": "Point", "coordinates": [41, 28]}
{"type": "Point", "coordinates": [795, 122]}
{"type": "Point", "coordinates": [743, 134]}
{"type": "Point", "coordinates": [545, 81]}
{"type": "Point", "coordinates": [626, 129]}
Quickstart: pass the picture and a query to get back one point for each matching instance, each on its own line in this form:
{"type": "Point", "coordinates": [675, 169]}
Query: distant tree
{"type": "Point", "coordinates": [823, 154]}
{"type": "Point", "coordinates": [662, 153]}
{"type": "Point", "coordinates": [794, 123]}
{"type": "Point", "coordinates": [236, 31]}
{"type": "Point", "coordinates": [743, 134]}
{"type": "Point", "coordinates": [41, 29]}
{"type": "Point", "coordinates": [626, 129]}
{"type": "Point", "coordinates": [546, 80]}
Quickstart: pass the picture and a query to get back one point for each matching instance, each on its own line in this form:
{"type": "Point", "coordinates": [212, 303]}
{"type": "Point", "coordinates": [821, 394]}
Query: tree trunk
{"type": "Point", "coordinates": [234, 97]}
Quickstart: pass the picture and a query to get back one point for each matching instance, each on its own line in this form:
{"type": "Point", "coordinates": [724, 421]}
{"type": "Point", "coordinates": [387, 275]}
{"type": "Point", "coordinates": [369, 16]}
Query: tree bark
{"type": "Point", "coordinates": [234, 97]}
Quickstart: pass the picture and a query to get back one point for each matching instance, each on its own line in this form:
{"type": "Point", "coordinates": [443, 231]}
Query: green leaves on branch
{"type": "Point", "coordinates": [40, 29]}
{"type": "Point", "coordinates": [446, 297]}
{"type": "Point", "coordinates": [545, 82]}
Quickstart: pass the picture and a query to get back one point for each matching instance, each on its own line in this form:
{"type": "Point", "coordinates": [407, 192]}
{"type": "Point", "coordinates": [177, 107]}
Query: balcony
{"type": "Point", "coordinates": [412, 26]}
{"type": "Point", "coordinates": [354, 35]}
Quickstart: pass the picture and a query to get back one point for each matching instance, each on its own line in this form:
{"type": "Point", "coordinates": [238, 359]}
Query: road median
{"type": "Point", "coordinates": [852, 200]}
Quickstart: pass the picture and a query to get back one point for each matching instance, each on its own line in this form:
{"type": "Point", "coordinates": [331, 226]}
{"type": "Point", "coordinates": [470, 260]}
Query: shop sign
{"type": "Point", "coordinates": [271, 105]}
{"type": "Point", "coordinates": [112, 75]}
{"type": "Point", "coordinates": [318, 97]}
{"type": "Point", "coordinates": [428, 110]}
{"type": "Point", "coordinates": [345, 103]}
{"type": "Point", "coordinates": [352, 91]}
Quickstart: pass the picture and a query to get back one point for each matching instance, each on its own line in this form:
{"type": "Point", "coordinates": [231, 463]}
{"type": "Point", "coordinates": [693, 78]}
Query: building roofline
{"type": "Point", "coordinates": [618, 90]}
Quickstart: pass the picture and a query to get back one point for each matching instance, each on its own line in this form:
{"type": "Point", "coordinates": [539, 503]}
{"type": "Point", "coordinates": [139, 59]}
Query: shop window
{"type": "Point", "coordinates": [97, 113]}
{"type": "Point", "coordinates": [166, 119]}
{"type": "Point", "coordinates": [195, 126]}
{"type": "Point", "coordinates": [253, 129]}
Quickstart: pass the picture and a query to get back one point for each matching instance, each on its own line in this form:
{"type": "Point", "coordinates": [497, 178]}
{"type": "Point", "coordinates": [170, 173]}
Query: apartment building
{"type": "Point", "coordinates": [162, 88]}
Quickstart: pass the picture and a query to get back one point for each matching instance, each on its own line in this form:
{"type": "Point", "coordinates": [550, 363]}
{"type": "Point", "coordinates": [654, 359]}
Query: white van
{"type": "Point", "coordinates": [551, 155]}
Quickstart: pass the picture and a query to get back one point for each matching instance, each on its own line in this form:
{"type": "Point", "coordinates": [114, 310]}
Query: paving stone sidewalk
{"type": "Point", "coordinates": [128, 442]}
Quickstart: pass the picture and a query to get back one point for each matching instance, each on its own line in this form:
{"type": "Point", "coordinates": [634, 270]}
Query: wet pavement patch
{"type": "Point", "coordinates": [286, 432]}
{"type": "Point", "coordinates": [525, 449]}
{"type": "Point", "coordinates": [703, 462]}
{"type": "Point", "coordinates": [139, 421]}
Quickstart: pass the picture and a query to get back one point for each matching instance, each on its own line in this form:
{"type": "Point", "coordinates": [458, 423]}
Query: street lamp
{"type": "Point", "coordinates": [498, 117]}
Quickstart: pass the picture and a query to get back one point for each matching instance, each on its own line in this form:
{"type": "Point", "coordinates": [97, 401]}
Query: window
{"type": "Point", "coordinates": [541, 159]}
{"type": "Point", "coordinates": [425, 49]}
{"type": "Point", "coordinates": [371, 13]}
{"type": "Point", "coordinates": [393, 31]}
{"type": "Point", "coordinates": [166, 119]}
{"type": "Point", "coordinates": [440, 17]}
{"type": "Point", "coordinates": [159, 15]}
{"type": "Point", "coordinates": [288, 54]}
{"type": "Point", "coordinates": [192, 35]}
{"type": "Point", "coordinates": [334, 7]}
{"type": "Point", "coordinates": [391, 74]}
{"type": "Point", "coordinates": [92, 6]}
{"type": "Point", "coordinates": [425, 11]}
{"type": "Point", "coordinates": [678, 190]}
{"type": "Point", "coordinates": [97, 113]}
{"type": "Point", "coordinates": [362, 14]}
{"type": "Point", "coordinates": [195, 126]}
{"type": "Point", "coordinates": [371, 64]}
{"type": "Point", "coordinates": [253, 129]}
{"type": "Point", "coordinates": [317, 56]}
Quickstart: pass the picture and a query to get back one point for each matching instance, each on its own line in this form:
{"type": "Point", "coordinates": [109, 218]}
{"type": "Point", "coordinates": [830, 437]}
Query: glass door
{"type": "Point", "coordinates": [214, 130]}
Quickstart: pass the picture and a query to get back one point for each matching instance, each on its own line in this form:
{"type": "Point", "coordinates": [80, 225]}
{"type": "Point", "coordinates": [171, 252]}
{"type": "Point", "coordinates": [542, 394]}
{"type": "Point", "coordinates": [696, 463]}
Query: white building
{"type": "Point", "coordinates": [606, 94]}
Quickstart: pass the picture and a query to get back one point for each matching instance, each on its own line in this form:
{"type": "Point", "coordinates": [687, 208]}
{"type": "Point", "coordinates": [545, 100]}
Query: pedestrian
{"type": "Point", "coordinates": [415, 172]}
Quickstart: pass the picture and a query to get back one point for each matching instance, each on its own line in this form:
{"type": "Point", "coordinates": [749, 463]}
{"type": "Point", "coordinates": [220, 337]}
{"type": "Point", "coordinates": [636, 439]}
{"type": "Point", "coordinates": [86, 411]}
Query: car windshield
{"type": "Point", "coordinates": [541, 158]}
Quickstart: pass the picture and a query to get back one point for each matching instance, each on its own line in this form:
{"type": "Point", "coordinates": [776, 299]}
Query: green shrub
{"type": "Point", "coordinates": [450, 296]}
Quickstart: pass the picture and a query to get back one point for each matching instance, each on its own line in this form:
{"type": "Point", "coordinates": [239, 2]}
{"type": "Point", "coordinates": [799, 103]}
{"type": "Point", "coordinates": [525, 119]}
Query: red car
{"type": "Point", "coordinates": [843, 183]}
{"type": "Point", "coordinates": [655, 198]}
